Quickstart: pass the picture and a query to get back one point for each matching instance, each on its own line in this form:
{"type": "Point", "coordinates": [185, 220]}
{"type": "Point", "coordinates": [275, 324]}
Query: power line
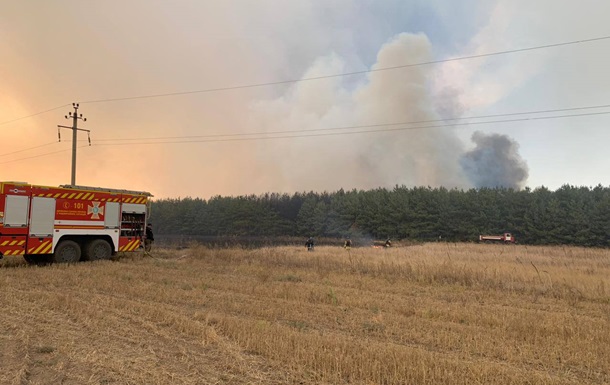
{"type": "Point", "coordinates": [27, 149]}
{"type": "Point", "coordinates": [356, 132]}
{"type": "Point", "coordinates": [340, 128]}
{"type": "Point", "coordinates": [336, 133]}
{"type": "Point", "coordinates": [35, 156]}
{"type": "Point", "coordinates": [346, 73]}
{"type": "Point", "coordinates": [32, 115]}
{"type": "Point", "coordinates": [369, 125]}
{"type": "Point", "coordinates": [316, 77]}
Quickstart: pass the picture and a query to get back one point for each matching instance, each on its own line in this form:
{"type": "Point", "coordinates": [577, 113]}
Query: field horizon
{"type": "Point", "coordinates": [420, 314]}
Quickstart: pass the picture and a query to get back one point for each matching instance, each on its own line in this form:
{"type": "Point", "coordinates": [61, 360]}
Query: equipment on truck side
{"type": "Point", "coordinates": [70, 223]}
{"type": "Point", "coordinates": [506, 238]}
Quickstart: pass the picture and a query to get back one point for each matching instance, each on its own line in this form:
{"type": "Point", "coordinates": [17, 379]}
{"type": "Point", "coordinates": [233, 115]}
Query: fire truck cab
{"type": "Point", "coordinates": [70, 223]}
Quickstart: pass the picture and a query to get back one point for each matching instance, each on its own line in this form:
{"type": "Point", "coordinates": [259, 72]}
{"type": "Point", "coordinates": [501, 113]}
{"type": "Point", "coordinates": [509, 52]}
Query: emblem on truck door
{"type": "Point", "coordinates": [95, 210]}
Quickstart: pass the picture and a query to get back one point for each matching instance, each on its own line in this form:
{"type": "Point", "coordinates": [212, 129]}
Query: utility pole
{"type": "Point", "coordinates": [74, 116]}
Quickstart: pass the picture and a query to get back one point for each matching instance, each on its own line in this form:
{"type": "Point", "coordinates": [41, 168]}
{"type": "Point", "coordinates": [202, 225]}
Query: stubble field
{"type": "Point", "coordinates": [427, 314]}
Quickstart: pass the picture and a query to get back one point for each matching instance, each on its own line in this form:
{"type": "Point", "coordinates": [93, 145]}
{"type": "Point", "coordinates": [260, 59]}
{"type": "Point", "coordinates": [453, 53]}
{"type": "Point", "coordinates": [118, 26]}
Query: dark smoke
{"type": "Point", "coordinates": [495, 162]}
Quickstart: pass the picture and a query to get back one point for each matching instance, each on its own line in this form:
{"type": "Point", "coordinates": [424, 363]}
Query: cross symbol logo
{"type": "Point", "coordinates": [95, 210]}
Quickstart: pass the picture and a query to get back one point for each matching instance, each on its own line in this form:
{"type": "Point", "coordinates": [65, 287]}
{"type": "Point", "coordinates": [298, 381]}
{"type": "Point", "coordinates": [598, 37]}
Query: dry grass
{"type": "Point", "coordinates": [426, 314]}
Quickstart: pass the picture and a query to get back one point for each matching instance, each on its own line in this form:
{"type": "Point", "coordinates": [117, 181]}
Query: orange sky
{"type": "Point", "coordinates": [56, 53]}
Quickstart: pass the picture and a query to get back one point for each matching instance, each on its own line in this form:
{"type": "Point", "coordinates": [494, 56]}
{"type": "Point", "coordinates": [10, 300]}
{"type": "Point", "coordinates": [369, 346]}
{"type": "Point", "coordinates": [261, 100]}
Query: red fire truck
{"type": "Point", "coordinates": [70, 223]}
{"type": "Point", "coordinates": [506, 238]}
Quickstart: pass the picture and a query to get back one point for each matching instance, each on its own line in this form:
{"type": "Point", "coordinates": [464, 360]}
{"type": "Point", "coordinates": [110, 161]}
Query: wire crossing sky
{"type": "Point", "coordinates": [331, 95]}
{"type": "Point", "coordinates": [180, 93]}
{"type": "Point", "coordinates": [257, 135]}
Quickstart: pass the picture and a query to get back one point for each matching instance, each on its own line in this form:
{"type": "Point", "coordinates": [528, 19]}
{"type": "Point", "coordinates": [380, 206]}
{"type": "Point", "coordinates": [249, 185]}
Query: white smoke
{"type": "Point", "coordinates": [427, 156]}
{"type": "Point", "coordinates": [410, 156]}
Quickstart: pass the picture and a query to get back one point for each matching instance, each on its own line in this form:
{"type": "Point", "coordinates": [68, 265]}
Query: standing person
{"type": "Point", "coordinates": [150, 238]}
{"type": "Point", "coordinates": [309, 244]}
{"type": "Point", "coordinates": [348, 244]}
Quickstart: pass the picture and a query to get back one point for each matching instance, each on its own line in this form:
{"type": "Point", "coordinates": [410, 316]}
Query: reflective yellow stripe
{"type": "Point", "coordinates": [135, 245]}
{"type": "Point", "coordinates": [128, 246]}
{"type": "Point", "coordinates": [40, 247]}
{"type": "Point", "coordinates": [47, 250]}
{"type": "Point", "coordinates": [64, 195]}
{"type": "Point", "coordinates": [78, 196]}
{"type": "Point", "coordinates": [12, 243]}
{"type": "Point", "coordinates": [71, 195]}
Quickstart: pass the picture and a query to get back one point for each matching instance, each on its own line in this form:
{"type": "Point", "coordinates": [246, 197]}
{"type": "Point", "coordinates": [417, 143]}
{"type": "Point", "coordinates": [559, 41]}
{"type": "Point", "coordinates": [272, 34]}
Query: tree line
{"type": "Point", "coordinates": [569, 215]}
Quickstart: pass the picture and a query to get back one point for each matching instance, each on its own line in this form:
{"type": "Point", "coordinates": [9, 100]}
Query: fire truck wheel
{"type": "Point", "coordinates": [67, 252]}
{"type": "Point", "coordinates": [98, 249]}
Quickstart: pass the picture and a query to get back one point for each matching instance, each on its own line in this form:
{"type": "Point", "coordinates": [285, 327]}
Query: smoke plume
{"type": "Point", "coordinates": [494, 162]}
{"type": "Point", "coordinates": [404, 154]}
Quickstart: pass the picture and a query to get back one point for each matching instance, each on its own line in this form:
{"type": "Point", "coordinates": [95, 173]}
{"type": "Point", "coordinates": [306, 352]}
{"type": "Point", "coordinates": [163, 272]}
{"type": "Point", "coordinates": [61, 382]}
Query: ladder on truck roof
{"type": "Point", "coordinates": [103, 189]}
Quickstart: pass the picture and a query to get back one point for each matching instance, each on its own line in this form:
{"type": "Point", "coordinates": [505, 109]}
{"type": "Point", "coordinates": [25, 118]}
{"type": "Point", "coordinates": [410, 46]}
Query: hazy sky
{"type": "Point", "coordinates": [63, 51]}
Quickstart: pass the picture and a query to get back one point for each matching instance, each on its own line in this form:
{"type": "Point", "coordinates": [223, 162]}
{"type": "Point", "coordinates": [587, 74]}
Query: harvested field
{"type": "Point", "coordinates": [425, 314]}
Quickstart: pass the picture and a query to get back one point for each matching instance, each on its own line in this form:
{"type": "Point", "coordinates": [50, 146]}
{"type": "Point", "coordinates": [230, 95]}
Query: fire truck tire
{"type": "Point", "coordinates": [98, 249]}
{"type": "Point", "coordinates": [67, 252]}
